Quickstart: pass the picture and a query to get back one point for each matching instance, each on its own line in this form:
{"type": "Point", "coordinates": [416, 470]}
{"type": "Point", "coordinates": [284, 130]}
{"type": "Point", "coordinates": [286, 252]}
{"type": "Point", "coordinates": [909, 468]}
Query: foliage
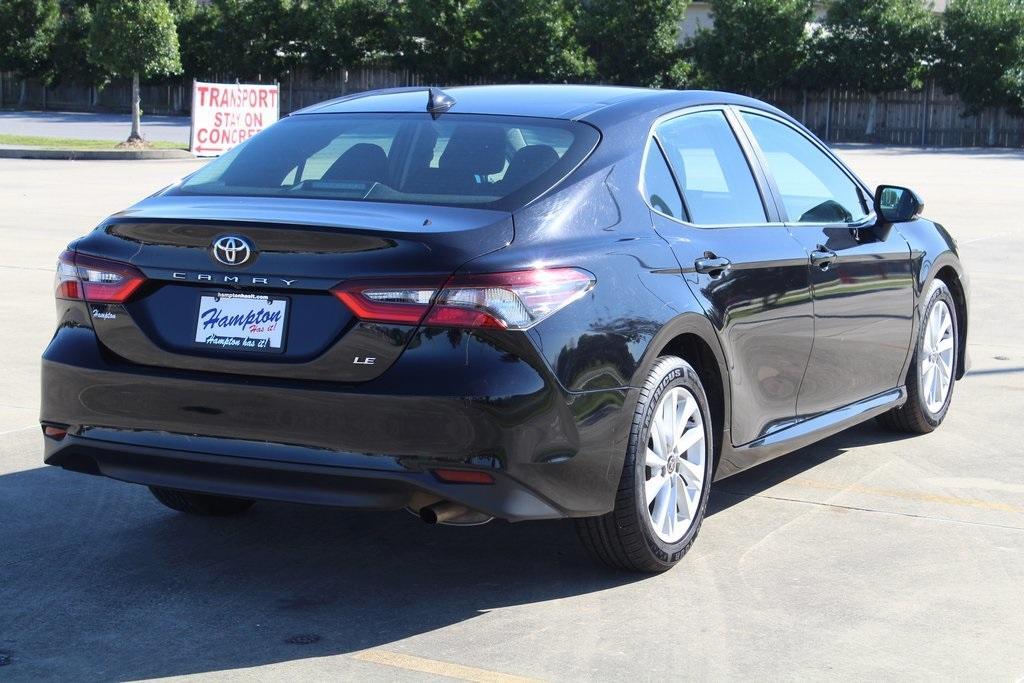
{"type": "Point", "coordinates": [754, 46]}
{"type": "Point", "coordinates": [441, 39]}
{"type": "Point", "coordinates": [134, 37]}
{"type": "Point", "coordinates": [256, 39]}
{"type": "Point", "coordinates": [635, 42]}
{"type": "Point", "coordinates": [994, 75]}
{"type": "Point", "coordinates": [530, 41]}
{"type": "Point", "coordinates": [68, 60]}
{"type": "Point", "coordinates": [874, 45]}
{"type": "Point", "coordinates": [339, 33]}
{"type": "Point", "coordinates": [197, 38]}
{"type": "Point", "coordinates": [27, 28]}
{"type": "Point", "coordinates": [455, 41]}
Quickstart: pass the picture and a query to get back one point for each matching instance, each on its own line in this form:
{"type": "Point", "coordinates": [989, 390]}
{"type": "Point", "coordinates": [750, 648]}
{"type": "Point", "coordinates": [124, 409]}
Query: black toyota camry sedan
{"type": "Point", "coordinates": [514, 302]}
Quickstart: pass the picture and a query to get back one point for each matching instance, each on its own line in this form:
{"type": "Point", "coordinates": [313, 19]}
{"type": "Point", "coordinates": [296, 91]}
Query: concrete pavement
{"type": "Point", "coordinates": [869, 555]}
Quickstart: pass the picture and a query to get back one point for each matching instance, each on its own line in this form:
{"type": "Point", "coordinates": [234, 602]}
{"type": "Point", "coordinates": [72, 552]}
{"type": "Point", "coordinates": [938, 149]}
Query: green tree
{"type": "Point", "coordinates": [340, 33]}
{"type": "Point", "coordinates": [875, 46]}
{"type": "Point", "coordinates": [457, 41]}
{"type": "Point", "coordinates": [754, 46]}
{"type": "Point", "coordinates": [441, 39]}
{"type": "Point", "coordinates": [635, 42]}
{"type": "Point", "coordinates": [133, 38]}
{"type": "Point", "coordinates": [197, 38]}
{"type": "Point", "coordinates": [27, 29]}
{"type": "Point", "coordinates": [532, 41]}
{"type": "Point", "coordinates": [992, 76]}
{"type": "Point", "coordinates": [257, 39]}
{"type": "Point", "coordinates": [68, 59]}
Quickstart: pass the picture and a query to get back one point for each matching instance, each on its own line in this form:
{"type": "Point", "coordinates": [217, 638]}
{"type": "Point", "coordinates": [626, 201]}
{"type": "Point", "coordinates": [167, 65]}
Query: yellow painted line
{"type": "Point", "coordinates": [437, 668]}
{"type": "Point", "coordinates": [909, 495]}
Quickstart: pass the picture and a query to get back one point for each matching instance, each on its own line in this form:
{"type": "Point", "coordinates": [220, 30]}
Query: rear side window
{"type": "Point", "coordinates": [460, 160]}
{"type": "Point", "coordinates": [659, 187]}
{"type": "Point", "coordinates": [812, 187]}
{"type": "Point", "coordinates": [716, 180]}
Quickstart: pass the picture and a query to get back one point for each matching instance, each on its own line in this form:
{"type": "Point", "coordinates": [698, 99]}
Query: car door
{"type": "Point", "coordinates": [740, 261]}
{"type": "Point", "coordinates": [860, 275]}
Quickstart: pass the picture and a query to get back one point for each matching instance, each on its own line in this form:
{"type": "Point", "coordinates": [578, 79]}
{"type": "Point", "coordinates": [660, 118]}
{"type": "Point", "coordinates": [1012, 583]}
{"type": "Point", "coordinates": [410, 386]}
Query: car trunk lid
{"type": "Point", "coordinates": [300, 249]}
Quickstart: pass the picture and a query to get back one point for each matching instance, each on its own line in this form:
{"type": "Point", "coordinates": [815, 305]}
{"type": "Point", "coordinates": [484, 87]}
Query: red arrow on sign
{"type": "Point", "coordinates": [208, 149]}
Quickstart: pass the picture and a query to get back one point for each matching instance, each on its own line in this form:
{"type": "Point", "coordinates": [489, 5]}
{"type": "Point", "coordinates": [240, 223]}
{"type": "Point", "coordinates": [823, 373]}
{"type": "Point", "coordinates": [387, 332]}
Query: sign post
{"type": "Point", "coordinates": [225, 114]}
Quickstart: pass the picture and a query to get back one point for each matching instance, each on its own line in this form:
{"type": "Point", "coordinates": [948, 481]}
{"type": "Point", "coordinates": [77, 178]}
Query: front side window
{"type": "Point", "coordinates": [459, 160]}
{"type": "Point", "coordinates": [711, 169]}
{"type": "Point", "coordinates": [812, 187]}
{"type": "Point", "coordinates": [659, 187]}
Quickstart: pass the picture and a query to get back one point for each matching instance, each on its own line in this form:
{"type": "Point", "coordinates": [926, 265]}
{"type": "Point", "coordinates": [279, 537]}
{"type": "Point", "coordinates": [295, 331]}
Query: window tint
{"type": "Point", "coordinates": [813, 188]}
{"type": "Point", "coordinates": [709, 164]}
{"type": "Point", "coordinates": [659, 187]}
{"type": "Point", "coordinates": [461, 160]}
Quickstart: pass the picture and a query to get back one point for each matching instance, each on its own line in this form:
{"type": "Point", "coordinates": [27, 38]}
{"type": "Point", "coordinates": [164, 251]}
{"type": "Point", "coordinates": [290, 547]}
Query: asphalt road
{"type": "Point", "coordinates": [92, 126]}
{"type": "Point", "coordinates": [866, 556]}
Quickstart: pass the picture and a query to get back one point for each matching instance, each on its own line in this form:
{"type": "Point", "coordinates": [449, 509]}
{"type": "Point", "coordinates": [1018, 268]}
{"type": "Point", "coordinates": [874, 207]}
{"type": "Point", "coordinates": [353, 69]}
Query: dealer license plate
{"type": "Point", "coordinates": [241, 322]}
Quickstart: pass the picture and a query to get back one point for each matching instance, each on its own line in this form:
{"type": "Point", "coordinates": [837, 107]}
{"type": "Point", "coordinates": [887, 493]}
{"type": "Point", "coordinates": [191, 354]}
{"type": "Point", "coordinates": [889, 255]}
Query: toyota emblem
{"type": "Point", "coordinates": [232, 250]}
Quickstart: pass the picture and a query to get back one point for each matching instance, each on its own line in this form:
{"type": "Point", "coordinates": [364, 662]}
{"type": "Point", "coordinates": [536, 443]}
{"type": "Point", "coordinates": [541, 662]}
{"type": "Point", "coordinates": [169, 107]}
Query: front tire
{"type": "Point", "coordinates": [666, 477]}
{"type": "Point", "coordinates": [200, 503]}
{"type": "Point", "coordinates": [932, 372]}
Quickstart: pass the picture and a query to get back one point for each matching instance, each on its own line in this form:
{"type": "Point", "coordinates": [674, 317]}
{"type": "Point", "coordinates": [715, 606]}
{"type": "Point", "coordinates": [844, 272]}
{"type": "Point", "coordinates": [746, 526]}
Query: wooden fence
{"type": "Point", "coordinates": [928, 117]}
{"type": "Point", "coordinates": [175, 97]}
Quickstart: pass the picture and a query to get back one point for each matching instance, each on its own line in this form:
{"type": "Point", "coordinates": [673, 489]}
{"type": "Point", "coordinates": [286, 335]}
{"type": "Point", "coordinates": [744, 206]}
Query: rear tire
{"type": "Point", "coordinates": [932, 373]}
{"type": "Point", "coordinates": [666, 477]}
{"type": "Point", "coordinates": [200, 503]}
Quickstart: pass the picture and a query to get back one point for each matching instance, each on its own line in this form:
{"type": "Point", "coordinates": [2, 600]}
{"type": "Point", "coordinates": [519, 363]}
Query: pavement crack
{"type": "Point", "coordinates": [856, 508]}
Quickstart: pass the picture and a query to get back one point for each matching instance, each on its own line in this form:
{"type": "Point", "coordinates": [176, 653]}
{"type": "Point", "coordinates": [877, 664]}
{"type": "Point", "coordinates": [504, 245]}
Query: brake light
{"type": "Point", "coordinates": [97, 280]}
{"type": "Point", "coordinates": [514, 300]}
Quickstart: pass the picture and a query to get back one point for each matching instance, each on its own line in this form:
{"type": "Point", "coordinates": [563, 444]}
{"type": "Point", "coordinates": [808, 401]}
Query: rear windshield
{"type": "Point", "coordinates": [460, 160]}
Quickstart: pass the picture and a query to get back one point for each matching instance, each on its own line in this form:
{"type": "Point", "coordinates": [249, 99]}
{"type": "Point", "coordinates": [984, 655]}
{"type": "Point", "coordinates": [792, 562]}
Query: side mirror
{"type": "Point", "coordinates": [897, 204]}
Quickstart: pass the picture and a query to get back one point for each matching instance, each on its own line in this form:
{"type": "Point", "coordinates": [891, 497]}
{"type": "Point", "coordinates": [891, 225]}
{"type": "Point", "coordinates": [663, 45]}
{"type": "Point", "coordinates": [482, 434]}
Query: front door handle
{"type": "Point", "coordinates": [823, 257]}
{"type": "Point", "coordinates": [711, 265]}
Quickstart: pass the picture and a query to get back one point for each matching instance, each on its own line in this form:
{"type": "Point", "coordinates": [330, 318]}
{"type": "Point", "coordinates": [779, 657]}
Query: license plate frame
{"type": "Point", "coordinates": [247, 343]}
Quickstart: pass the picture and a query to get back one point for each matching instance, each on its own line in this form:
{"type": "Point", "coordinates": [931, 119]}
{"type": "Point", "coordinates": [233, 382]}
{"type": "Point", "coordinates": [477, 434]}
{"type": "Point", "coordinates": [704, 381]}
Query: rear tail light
{"type": "Point", "coordinates": [509, 301]}
{"type": "Point", "coordinates": [391, 301]}
{"type": "Point", "coordinates": [97, 280]}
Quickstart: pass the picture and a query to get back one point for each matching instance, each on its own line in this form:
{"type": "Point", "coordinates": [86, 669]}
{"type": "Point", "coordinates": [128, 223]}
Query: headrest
{"type": "Point", "coordinates": [475, 148]}
{"type": "Point", "coordinates": [362, 161]}
{"type": "Point", "coordinates": [528, 163]}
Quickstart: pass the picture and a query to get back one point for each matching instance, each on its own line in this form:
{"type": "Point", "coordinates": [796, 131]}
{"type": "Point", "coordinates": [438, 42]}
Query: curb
{"type": "Point", "coordinates": [92, 154]}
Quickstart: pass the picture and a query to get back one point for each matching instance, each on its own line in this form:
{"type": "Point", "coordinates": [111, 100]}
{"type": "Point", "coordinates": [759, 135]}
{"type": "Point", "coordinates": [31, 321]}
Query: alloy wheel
{"type": "Point", "coordinates": [675, 463]}
{"type": "Point", "coordinates": [936, 357]}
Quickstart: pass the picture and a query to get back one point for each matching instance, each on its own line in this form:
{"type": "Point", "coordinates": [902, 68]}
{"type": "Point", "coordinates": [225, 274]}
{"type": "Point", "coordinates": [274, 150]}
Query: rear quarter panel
{"type": "Point", "coordinates": [607, 340]}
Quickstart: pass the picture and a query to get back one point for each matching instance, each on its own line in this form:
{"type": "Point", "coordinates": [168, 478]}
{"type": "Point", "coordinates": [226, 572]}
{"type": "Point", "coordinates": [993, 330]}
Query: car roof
{"type": "Point", "coordinates": [575, 102]}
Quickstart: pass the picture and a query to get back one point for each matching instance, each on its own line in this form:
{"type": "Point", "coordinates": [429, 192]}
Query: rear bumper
{"type": "Point", "coordinates": [472, 404]}
{"type": "Point", "coordinates": [279, 472]}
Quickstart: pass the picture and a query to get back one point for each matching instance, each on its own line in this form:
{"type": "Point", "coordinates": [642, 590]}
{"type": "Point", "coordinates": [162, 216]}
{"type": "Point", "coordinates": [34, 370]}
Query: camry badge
{"type": "Point", "coordinates": [232, 250]}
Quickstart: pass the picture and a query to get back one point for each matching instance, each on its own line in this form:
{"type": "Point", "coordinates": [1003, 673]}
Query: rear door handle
{"type": "Point", "coordinates": [823, 257]}
{"type": "Point", "coordinates": [711, 265]}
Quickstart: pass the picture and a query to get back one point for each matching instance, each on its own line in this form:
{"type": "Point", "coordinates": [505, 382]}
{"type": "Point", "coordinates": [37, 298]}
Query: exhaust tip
{"type": "Point", "coordinates": [452, 513]}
